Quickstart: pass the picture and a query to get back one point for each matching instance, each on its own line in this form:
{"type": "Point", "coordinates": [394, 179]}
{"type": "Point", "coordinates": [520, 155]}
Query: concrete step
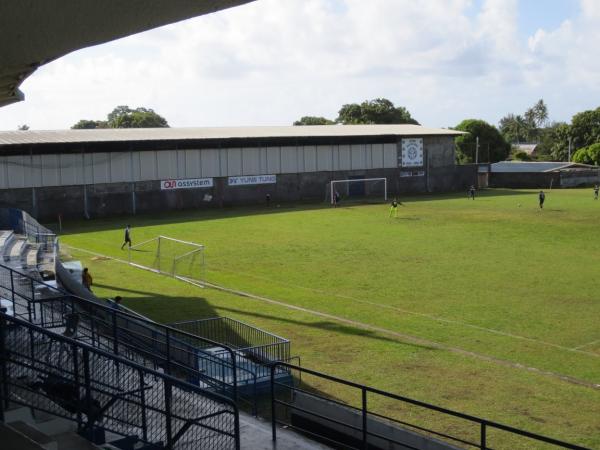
{"type": "Point", "coordinates": [32, 256]}
{"type": "Point", "coordinates": [18, 250]}
{"type": "Point", "coordinates": [20, 413]}
{"type": "Point", "coordinates": [5, 237]}
{"type": "Point", "coordinates": [14, 440]}
{"type": "Point", "coordinates": [56, 425]}
{"type": "Point", "coordinates": [72, 441]}
{"type": "Point", "coordinates": [256, 435]}
{"type": "Point", "coordinates": [7, 248]}
{"type": "Point", "coordinates": [42, 439]}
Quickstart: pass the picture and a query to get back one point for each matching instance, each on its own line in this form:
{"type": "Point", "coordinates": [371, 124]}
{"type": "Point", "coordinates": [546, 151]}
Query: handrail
{"type": "Point", "coordinates": [168, 332]}
{"type": "Point", "coordinates": [484, 424]}
{"type": "Point", "coordinates": [96, 385]}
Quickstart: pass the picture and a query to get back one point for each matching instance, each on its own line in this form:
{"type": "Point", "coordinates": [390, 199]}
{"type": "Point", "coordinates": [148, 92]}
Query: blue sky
{"type": "Point", "coordinates": [271, 62]}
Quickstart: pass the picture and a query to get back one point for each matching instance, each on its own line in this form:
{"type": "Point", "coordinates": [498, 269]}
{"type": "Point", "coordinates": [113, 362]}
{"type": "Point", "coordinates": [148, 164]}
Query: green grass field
{"type": "Point", "coordinates": [490, 307]}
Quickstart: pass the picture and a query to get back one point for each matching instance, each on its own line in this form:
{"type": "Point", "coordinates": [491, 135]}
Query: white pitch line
{"type": "Point", "coordinates": [428, 316]}
{"type": "Point", "coordinates": [587, 345]}
{"type": "Point", "coordinates": [404, 337]}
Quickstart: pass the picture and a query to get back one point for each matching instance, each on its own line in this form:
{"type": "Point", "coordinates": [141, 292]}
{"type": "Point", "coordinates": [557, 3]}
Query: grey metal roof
{"type": "Point", "coordinates": [525, 166]}
{"type": "Point", "coordinates": [158, 134]}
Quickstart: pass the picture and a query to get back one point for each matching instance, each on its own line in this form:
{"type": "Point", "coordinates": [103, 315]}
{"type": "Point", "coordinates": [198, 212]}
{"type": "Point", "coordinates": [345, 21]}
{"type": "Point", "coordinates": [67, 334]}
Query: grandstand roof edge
{"type": "Point", "coordinates": [40, 137]}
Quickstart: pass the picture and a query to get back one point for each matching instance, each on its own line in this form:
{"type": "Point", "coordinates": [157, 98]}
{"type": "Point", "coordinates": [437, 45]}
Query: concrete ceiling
{"type": "Point", "coordinates": [35, 32]}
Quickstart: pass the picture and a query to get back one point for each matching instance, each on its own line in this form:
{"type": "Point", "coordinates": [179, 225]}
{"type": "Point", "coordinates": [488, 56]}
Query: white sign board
{"type": "Point", "coordinates": [190, 183]}
{"type": "Point", "coordinates": [412, 173]}
{"type": "Point", "coordinates": [412, 152]}
{"type": "Point", "coordinates": [252, 179]}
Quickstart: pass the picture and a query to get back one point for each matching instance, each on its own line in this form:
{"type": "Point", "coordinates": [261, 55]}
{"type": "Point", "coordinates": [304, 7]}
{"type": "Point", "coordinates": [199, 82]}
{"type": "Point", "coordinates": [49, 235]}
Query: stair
{"type": "Point", "coordinates": [21, 431]}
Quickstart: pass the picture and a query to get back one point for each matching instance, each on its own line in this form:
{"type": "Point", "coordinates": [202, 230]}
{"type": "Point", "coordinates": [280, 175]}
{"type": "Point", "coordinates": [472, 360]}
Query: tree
{"type": "Point", "coordinates": [514, 128]}
{"type": "Point", "coordinates": [540, 113]}
{"type": "Point", "coordinates": [520, 155]}
{"type": "Point", "coordinates": [125, 117]}
{"type": "Point", "coordinates": [23, 127]}
{"type": "Point", "coordinates": [378, 111]}
{"type": "Point", "coordinates": [85, 124]}
{"type": "Point", "coordinates": [313, 120]}
{"type": "Point", "coordinates": [588, 155]}
{"type": "Point", "coordinates": [492, 146]}
{"type": "Point", "coordinates": [527, 127]}
{"type": "Point", "coordinates": [585, 128]}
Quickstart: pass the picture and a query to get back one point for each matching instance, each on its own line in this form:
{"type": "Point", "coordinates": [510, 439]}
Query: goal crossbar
{"type": "Point", "coordinates": [357, 180]}
{"type": "Point", "coordinates": [174, 259]}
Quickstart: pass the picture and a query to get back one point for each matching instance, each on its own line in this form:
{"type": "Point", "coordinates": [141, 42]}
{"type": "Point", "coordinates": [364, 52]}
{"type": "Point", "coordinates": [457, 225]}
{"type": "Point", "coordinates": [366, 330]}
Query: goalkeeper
{"type": "Point", "coordinates": [394, 208]}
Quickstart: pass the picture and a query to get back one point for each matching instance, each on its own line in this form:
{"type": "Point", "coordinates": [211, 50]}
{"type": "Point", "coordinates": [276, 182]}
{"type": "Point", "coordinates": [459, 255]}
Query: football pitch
{"type": "Point", "coordinates": [489, 306]}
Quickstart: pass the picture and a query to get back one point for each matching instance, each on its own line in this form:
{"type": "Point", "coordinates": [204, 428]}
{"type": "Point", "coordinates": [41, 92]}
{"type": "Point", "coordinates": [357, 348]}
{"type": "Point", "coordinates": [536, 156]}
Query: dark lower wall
{"type": "Point", "coordinates": [532, 180]}
{"type": "Point", "coordinates": [101, 200]}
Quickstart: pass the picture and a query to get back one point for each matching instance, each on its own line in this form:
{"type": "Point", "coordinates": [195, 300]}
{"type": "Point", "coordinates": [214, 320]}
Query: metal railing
{"type": "Point", "coordinates": [178, 353]}
{"type": "Point", "coordinates": [258, 344]}
{"type": "Point", "coordinates": [360, 433]}
{"type": "Point", "coordinates": [102, 392]}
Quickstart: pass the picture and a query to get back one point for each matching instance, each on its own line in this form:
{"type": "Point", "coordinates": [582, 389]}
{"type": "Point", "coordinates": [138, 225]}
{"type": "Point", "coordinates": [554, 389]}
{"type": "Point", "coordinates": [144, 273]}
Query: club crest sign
{"type": "Point", "coordinates": [412, 152]}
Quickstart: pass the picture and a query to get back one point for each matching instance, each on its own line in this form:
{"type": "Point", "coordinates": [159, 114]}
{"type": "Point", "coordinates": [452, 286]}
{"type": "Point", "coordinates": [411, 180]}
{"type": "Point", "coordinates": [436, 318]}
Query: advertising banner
{"type": "Point", "coordinates": [190, 183]}
{"type": "Point", "coordinates": [252, 179]}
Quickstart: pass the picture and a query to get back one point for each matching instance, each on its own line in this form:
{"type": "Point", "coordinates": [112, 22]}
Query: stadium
{"type": "Point", "coordinates": [94, 173]}
{"type": "Point", "coordinates": [263, 294]}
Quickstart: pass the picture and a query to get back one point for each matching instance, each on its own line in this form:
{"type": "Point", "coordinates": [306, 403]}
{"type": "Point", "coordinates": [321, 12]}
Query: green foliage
{"type": "Point", "coordinates": [89, 124]}
{"type": "Point", "coordinates": [380, 110]}
{"type": "Point", "coordinates": [514, 128]}
{"type": "Point", "coordinates": [585, 128]}
{"type": "Point", "coordinates": [492, 146]}
{"type": "Point", "coordinates": [313, 120]}
{"type": "Point", "coordinates": [525, 128]}
{"type": "Point", "coordinates": [520, 155]}
{"type": "Point", "coordinates": [588, 155]}
{"type": "Point", "coordinates": [558, 141]}
{"type": "Point", "coordinates": [125, 117]}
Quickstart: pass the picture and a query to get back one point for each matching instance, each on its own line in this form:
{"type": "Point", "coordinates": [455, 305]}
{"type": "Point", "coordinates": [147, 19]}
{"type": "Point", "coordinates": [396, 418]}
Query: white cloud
{"type": "Point", "coordinates": [271, 62]}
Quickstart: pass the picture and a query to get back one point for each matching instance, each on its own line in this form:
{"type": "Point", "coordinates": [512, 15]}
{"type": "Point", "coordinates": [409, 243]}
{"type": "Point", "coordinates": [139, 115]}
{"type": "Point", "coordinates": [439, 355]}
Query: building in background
{"type": "Point", "coordinates": [104, 172]}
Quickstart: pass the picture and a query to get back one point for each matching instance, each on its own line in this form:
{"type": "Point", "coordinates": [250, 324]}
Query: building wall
{"type": "Point", "coordinates": [115, 167]}
{"type": "Point", "coordinates": [524, 180]}
{"type": "Point", "coordinates": [125, 182]}
{"type": "Point", "coordinates": [108, 199]}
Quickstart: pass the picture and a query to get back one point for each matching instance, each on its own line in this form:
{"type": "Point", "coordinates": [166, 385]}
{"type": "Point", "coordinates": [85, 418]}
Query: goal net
{"type": "Point", "coordinates": [179, 259]}
{"type": "Point", "coordinates": [356, 190]}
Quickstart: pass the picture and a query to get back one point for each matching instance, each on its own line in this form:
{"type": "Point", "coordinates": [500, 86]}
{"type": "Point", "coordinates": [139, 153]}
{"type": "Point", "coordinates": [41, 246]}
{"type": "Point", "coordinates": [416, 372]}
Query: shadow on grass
{"type": "Point", "coordinates": [182, 216]}
{"type": "Point", "coordinates": [165, 308]}
{"type": "Point", "coordinates": [327, 325]}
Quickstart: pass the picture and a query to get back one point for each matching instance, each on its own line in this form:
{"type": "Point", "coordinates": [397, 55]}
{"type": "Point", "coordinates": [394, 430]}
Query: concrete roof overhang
{"type": "Point", "coordinates": [34, 32]}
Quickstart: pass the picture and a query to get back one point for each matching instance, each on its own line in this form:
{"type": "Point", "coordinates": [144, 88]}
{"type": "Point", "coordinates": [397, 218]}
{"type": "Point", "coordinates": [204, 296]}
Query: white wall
{"type": "Point", "coordinates": [78, 168]}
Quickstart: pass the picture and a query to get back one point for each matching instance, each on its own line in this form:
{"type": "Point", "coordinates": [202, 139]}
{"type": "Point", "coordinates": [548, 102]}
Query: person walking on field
{"type": "Point", "coordinates": [472, 192]}
{"type": "Point", "coordinates": [394, 208]}
{"type": "Point", "coordinates": [596, 187]}
{"type": "Point", "coordinates": [127, 237]}
{"type": "Point", "coordinates": [86, 279]}
{"type": "Point", "coordinates": [542, 197]}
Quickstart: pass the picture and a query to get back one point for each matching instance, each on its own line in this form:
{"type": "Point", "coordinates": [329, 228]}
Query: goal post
{"type": "Point", "coordinates": [179, 259]}
{"type": "Point", "coordinates": [359, 188]}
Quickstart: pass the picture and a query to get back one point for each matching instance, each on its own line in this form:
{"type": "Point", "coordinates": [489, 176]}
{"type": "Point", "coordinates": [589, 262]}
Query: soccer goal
{"type": "Point", "coordinates": [173, 257]}
{"type": "Point", "coordinates": [358, 189]}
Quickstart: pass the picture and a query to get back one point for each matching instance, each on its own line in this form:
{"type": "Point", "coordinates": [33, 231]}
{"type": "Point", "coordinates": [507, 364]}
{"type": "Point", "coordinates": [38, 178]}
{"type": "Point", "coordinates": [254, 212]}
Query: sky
{"type": "Point", "coordinates": [271, 62]}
